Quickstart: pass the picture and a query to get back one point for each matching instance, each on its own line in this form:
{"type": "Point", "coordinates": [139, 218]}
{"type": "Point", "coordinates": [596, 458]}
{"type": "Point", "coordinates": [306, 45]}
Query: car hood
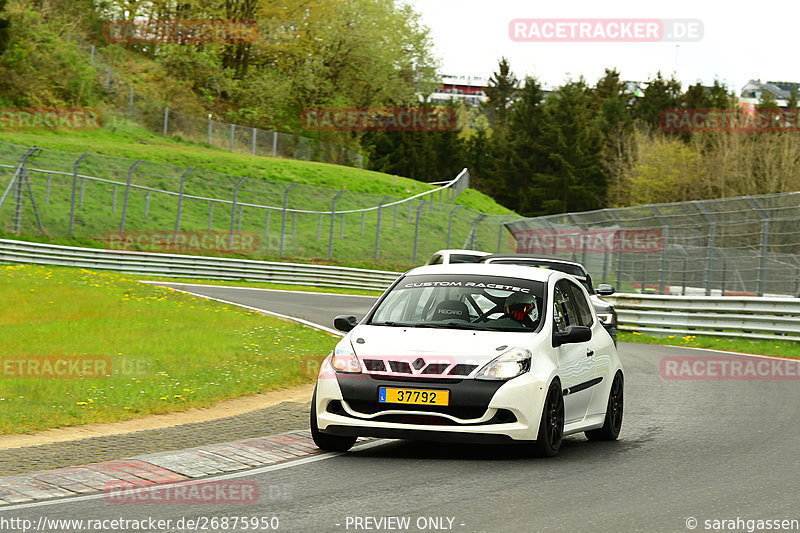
{"type": "Point", "coordinates": [443, 346]}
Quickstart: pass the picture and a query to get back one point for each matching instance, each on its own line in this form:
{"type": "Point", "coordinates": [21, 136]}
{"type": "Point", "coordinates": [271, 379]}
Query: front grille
{"type": "Point", "coordinates": [417, 367]}
{"type": "Point", "coordinates": [463, 412]}
{"type": "Point", "coordinates": [401, 367]}
{"type": "Point", "coordinates": [502, 416]}
{"type": "Point", "coordinates": [374, 365]}
{"type": "Point", "coordinates": [435, 368]}
{"type": "Point", "coordinates": [414, 379]}
{"type": "Point", "coordinates": [462, 370]}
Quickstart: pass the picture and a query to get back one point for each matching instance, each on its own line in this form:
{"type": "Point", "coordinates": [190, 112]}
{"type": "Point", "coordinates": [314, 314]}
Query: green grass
{"type": "Point", "coordinates": [307, 235]}
{"type": "Point", "coordinates": [165, 351]}
{"type": "Point", "coordinates": [776, 348]}
{"type": "Point", "coordinates": [126, 140]}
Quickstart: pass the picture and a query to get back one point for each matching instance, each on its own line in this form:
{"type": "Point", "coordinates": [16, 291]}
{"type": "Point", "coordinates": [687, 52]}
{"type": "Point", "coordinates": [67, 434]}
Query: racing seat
{"type": "Point", "coordinates": [450, 310]}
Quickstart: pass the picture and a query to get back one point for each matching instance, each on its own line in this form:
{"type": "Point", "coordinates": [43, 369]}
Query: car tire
{"type": "Point", "coordinates": [613, 421]}
{"type": "Point", "coordinates": [551, 426]}
{"type": "Point", "coordinates": [329, 443]}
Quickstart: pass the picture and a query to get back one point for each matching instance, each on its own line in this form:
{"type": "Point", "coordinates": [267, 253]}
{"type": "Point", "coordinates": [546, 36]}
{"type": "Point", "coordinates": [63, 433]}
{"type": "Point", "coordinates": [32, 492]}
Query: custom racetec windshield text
{"type": "Point", "coordinates": [463, 302]}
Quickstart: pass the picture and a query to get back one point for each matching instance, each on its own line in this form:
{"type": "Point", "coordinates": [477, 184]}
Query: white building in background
{"type": "Point", "coordinates": [752, 92]}
{"type": "Point", "coordinates": [469, 89]}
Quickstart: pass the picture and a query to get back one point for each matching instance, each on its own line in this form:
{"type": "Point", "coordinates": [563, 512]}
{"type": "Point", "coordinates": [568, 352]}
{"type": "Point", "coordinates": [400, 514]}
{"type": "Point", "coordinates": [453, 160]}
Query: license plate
{"type": "Point", "coordinates": [413, 396]}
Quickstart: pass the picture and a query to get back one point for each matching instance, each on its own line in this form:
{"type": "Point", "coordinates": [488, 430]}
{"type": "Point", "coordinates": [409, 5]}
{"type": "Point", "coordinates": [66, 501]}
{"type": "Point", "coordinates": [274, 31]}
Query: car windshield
{"type": "Point", "coordinates": [463, 302]}
{"type": "Point", "coordinates": [572, 270]}
{"type": "Point", "coordinates": [465, 258]}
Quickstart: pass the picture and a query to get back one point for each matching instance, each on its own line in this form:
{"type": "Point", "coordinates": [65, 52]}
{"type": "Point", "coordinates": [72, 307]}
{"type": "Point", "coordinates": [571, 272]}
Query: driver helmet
{"type": "Point", "coordinates": [519, 305]}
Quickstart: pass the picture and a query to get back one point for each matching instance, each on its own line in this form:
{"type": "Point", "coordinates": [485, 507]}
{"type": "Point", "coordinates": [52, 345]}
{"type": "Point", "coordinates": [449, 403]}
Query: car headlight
{"type": "Point", "coordinates": [606, 318]}
{"type": "Point", "coordinates": [508, 365]}
{"type": "Point", "coordinates": [344, 358]}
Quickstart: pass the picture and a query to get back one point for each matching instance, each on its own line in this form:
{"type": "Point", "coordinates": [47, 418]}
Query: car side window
{"type": "Point", "coordinates": [583, 312]}
{"type": "Point", "coordinates": [561, 309]}
{"type": "Point", "coordinates": [568, 308]}
{"type": "Point", "coordinates": [436, 260]}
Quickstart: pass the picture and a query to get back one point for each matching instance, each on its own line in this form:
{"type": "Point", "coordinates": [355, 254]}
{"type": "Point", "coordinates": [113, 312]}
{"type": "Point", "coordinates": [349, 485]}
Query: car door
{"type": "Point", "coordinates": [575, 360]}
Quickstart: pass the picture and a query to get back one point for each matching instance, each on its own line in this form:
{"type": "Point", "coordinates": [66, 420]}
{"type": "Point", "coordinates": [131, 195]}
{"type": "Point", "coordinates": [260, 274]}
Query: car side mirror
{"type": "Point", "coordinates": [345, 322]}
{"type": "Point", "coordinates": [604, 289]}
{"type": "Point", "coordinates": [572, 335]}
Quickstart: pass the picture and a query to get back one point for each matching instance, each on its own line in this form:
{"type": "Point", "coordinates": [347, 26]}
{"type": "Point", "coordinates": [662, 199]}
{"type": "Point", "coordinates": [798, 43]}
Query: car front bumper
{"type": "Point", "coordinates": [478, 411]}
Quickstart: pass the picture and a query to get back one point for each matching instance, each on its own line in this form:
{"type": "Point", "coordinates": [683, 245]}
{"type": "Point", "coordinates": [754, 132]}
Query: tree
{"type": "Point", "coordinates": [572, 178]}
{"type": "Point", "coordinates": [719, 97]}
{"type": "Point", "coordinates": [503, 87]}
{"type": "Point", "coordinates": [518, 156]}
{"type": "Point", "coordinates": [659, 94]}
{"type": "Point", "coordinates": [768, 102]}
{"type": "Point", "coordinates": [4, 28]}
{"type": "Point", "coordinates": [696, 97]}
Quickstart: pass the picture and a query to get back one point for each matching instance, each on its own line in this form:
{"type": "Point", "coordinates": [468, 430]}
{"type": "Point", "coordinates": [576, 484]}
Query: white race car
{"type": "Point", "coordinates": [472, 353]}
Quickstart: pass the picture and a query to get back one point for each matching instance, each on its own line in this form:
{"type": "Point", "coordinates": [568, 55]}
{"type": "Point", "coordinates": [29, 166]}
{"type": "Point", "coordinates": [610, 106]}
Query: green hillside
{"type": "Point", "coordinates": [307, 236]}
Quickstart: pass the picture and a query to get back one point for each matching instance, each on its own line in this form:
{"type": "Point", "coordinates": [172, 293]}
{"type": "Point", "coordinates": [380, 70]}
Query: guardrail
{"type": "Point", "coordinates": [193, 266]}
{"type": "Point", "coordinates": [740, 317]}
{"type": "Point", "coordinates": [719, 316]}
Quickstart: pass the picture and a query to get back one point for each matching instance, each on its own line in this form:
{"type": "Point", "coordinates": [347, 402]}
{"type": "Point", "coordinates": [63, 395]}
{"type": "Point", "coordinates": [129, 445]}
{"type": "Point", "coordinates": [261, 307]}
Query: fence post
{"type": "Point", "coordinates": [363, 215]}
{"type": "Point", "coordinates": [500, 232]}
{"type": "Point", "coordinates": [91, 59]}
{"type": "Point", "coordinates": [378, 231]}
{"type": "Point", "coordinates": [664, 239]}
{"type": "Point", "coordinates": [294, 222]}
{"type": "Point", "coordinates": [341, 228]}
{"type": "Point", "coordinates": [333, 223]}
{"type": "Point", "coordinates": [210, 214]}
{"type": "Point", "coordinates": [74, 190]}
{"type": "Point", "coordinates": [319, 227]}
{"type": "Point", "coordinates": [47, 191]}
{"type": "Point", "coordinates": [283, 220]}
{"type": "Point", "coordinates": [416, 231]}
{"type": "Point", "coordinates": [130, 104]}
{"type": "Point", "coordinates": [253, 148]}
{"type": "Point", "coordinates": [450, 225]}
{"type": "Point", "coordinates": [233, 129]}
{"type": "Point", "coordinates": [166, 120]}
{"type": "Point", "coordinates": [274, 144]}
{"type": "Point", "coordinates": [266, 226]}
{"type": "Point", "coordinates": [127, 194]}
{"type": "Point", "coordinates": [180, 202]}
{"type": "Point", "coordinates": [762, 253]}
{"type": "Point", "coordinates": [114, 201]}
{"type": "Point", "coordinates": [712, 238]}
{"type": "Point", "coordinates": [147, 204]}
{"type": "Point", "coordinates": [108, 78]}
{"type": "Point", "coordinates": [208, 134]}
{"type": "Point", "coordinates": [472, 239]}
{"type": "Point", "coordinates": [18, 192]}
{"type": "Point", "coordinates": [233, 211]}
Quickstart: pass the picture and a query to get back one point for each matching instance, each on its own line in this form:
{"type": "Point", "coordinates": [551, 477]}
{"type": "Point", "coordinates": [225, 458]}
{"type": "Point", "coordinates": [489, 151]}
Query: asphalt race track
{"type": "Point", "coordinates": [690, 451]}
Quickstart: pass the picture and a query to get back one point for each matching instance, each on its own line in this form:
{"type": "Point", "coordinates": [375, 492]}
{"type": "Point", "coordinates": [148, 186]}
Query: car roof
{"type": "Point", "coordinates": [459, 251]}
{"type": "Point", "coordinates": [533, 258]}
{"type": "Point", "coordinates": [507, 271]}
